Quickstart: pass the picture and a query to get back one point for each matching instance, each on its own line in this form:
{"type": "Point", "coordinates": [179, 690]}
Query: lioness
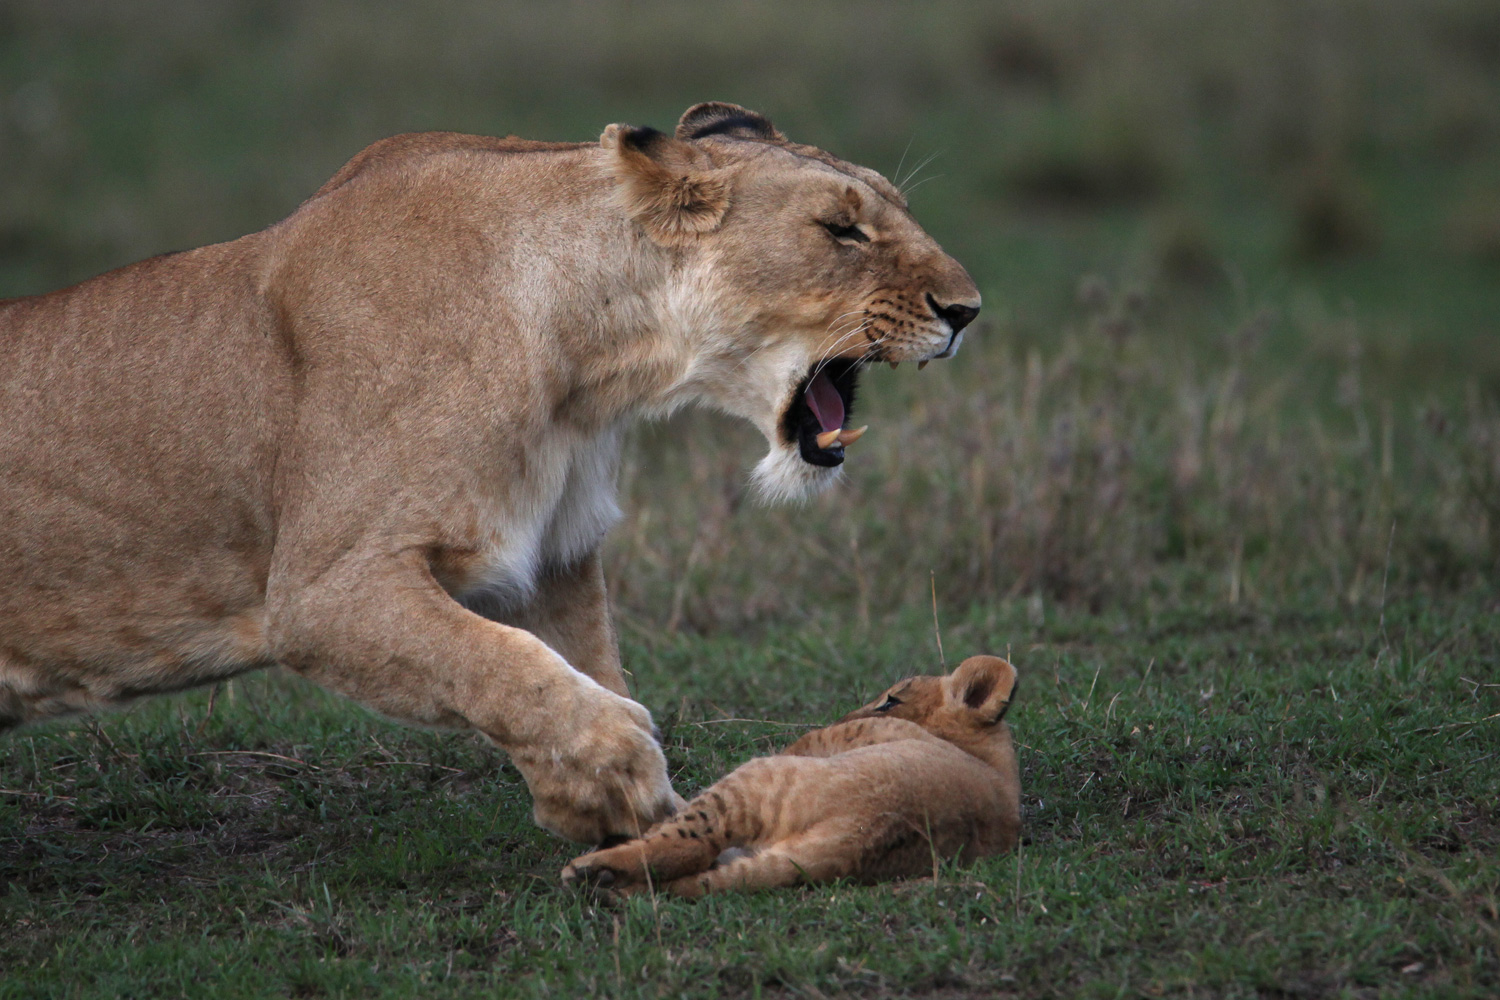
{"type": "Point", "coordinates": [925, 771]}
{"type": "Point", "coordinates": [377, 442]}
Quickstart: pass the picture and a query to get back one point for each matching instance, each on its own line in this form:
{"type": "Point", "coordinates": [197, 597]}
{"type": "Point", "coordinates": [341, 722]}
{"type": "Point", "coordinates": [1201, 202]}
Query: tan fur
{"type": "Point", "coordinates": [377, 442]}
{"type": "Point", "coordinates": [885, 792]}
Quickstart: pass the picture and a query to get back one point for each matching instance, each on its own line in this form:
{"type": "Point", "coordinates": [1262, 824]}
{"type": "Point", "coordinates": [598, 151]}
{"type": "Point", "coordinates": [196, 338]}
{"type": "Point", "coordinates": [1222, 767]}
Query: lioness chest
{"type": "Point", "coordinates": [549, 519]}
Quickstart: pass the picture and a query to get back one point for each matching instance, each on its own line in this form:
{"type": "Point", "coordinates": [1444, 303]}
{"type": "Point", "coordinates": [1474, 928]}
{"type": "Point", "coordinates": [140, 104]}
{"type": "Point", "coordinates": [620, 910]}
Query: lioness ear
{"type": "Point", "coordinates": [719, 118]}
{"type": "Point", "coordinates": [666, 185]}
{"type": "Point", "coordinates": [983, 685]}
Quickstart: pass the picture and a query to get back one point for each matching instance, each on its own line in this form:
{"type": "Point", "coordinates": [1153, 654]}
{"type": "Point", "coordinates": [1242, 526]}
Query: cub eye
{"type": "Point", "coordinates": [846, 234]}
{"type": "Point", "coordinates": [891, 701]}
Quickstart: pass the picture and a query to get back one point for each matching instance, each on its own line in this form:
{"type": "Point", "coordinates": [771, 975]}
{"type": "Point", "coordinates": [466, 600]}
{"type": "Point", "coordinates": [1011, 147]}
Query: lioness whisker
{"type": "Point", "coordinates": [834, 349]}
{"type": "Point", "coordinates": [896, 174]}
{"type": "Point", "coordinates": [924, 180]}
{"type": "Point", "coordinates": [835, 321]}
{"type": "Point", "coordinates": [902, 185]}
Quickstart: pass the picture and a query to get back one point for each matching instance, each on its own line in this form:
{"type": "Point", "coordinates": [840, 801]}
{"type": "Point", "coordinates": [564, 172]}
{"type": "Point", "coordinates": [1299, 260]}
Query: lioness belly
{"type": "Point", "coordinates": [101, 609]}
{"type": "Point", "coordinates": [135, 458]}
{"type": "Point", "coordinates": [34, 690]}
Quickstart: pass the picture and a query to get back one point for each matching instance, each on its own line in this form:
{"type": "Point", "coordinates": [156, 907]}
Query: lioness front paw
{"type": "Point", "coordinates": [604, 777]}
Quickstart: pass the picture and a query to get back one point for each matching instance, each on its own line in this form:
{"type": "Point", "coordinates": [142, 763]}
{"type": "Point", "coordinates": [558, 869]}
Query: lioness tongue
{"type": "Point", "coordinates": [825, 402]}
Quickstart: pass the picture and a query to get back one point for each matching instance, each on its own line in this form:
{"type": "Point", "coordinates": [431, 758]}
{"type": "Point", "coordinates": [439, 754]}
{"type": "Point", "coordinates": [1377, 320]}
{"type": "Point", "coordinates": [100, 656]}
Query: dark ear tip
{"type": "Point", "coordinates": [640, 137]}
{"type": "Point", "coordinates": [723, 118]}
{"type": "Point", "coordinates": [710, 110]}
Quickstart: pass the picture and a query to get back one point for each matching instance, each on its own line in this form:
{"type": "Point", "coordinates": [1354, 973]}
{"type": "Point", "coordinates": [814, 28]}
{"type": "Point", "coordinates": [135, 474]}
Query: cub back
{"type": "Point", "coordinates": [965, 708]}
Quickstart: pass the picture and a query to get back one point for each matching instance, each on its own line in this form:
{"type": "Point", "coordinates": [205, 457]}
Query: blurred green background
{"type": "Point", "coordinates": [1244, 255]}
{"type": "Point", "coordinates": [1219, 465]}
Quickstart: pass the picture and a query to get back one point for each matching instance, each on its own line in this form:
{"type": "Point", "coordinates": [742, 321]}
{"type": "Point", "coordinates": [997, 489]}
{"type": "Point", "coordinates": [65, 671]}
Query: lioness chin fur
{"type": "Point", "coordinates": [377, 442]}
{"type": "Point", "coordinates": [926, 772]}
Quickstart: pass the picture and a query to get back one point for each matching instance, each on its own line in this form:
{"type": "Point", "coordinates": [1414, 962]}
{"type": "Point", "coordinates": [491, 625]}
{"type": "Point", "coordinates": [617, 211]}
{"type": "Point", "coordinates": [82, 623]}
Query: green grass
{"type": "Point", "coordinates": [1217, 803]}
{"type": "Point", "coordinates": [1219, 467]}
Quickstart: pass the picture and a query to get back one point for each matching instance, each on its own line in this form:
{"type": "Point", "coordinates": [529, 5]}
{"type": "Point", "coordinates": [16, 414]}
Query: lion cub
{"type": "Point", "coordinates": [925, 771]}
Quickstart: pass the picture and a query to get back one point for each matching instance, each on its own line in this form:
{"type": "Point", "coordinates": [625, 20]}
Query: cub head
{"type": "Point", "coordinates": [964, 707]}
{"type": "Point", "coordinates": [798, 270]}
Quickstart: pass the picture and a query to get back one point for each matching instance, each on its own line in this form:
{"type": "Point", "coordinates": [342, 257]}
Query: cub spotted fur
{"type": "Point", "coordinates": [925, 771]}
{"type": "Point", "coordinates": [377, 442]}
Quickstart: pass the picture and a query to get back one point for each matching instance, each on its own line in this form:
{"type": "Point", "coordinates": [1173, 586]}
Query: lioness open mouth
{"type": "Point", "coordinates": [817, 419]}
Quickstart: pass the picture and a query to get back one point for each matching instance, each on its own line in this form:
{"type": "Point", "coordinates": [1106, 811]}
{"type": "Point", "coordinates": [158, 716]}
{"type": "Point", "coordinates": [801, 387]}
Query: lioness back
{"type": "Point", "coordinates": [925, 772]}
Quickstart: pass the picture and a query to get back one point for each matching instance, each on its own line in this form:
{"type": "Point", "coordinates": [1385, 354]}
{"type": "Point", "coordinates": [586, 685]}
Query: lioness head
{"type": "Point", "coordinates": [802, 268]}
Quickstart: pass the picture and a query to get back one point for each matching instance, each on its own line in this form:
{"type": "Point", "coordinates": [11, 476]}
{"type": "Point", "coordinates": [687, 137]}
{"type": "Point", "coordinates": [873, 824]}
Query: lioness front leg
{"type": "Point", "coordinates": [375, 625]}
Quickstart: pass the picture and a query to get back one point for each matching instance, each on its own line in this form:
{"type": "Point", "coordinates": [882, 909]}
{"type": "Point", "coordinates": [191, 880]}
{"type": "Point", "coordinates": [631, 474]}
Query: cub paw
{"type": "Point", "coordinates": [580, 875]}
{"type": "Point", "coordinates": [609, 871]}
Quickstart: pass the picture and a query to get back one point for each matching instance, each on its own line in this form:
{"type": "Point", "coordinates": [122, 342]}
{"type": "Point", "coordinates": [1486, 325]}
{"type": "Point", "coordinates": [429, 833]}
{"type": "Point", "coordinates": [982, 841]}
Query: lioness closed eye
{"type": "Point", "coordinates": [377, 442]}
{"type": "Point", "coordinates": [925, 771]}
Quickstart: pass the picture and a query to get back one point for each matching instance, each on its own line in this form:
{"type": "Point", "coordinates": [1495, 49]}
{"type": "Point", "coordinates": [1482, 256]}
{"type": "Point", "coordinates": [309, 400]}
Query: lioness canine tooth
{"type": "Point", "coordinates": [827, 438]}
{"type": "Point", "coordinates": [849, 437]}
{"type": "Point", "coordinates": [921, 365]}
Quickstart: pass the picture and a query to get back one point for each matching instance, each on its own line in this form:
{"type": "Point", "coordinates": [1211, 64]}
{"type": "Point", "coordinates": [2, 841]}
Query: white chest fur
{"type": "Point", "coordinates": [558, 515]}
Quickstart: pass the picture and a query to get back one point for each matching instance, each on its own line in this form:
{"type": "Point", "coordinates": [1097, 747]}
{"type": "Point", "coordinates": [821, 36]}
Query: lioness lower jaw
{"type": "Point", "coordinates": [807, 445]}
{"type": "Point", "coordinates": [782, 477]}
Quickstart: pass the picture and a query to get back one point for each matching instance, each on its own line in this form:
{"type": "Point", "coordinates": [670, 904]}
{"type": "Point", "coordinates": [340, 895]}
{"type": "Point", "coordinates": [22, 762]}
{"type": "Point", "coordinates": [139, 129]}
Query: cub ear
{"type": "Point", "coordinates": [983, 685]}
{"type": "Point", "coordinates": [666, 185]}
{"type": "Point", "coordinates": [719, 118]}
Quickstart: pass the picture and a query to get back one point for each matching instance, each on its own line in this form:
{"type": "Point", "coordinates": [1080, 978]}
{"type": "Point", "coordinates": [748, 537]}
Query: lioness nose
{"type": "Point", "coordinates": [957, 314]}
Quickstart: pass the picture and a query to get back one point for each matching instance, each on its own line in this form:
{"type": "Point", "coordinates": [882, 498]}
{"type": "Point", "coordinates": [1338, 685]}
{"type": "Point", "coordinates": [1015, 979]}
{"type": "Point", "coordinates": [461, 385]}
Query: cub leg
{"type": "Point", "coordinates": [675, 849]}
{"type": "Point", "coordinates": [826, 852]}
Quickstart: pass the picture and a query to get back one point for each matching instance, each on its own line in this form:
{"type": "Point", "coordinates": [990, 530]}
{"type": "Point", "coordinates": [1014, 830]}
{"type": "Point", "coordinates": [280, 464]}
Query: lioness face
{"type": "Point", "coordinates": [816, 268]}
{"type": "Point", "coordinates": [843, 276]}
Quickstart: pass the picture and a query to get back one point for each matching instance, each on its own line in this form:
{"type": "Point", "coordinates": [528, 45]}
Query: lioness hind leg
{"type": "Point", "coordinates": [570, 613]}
